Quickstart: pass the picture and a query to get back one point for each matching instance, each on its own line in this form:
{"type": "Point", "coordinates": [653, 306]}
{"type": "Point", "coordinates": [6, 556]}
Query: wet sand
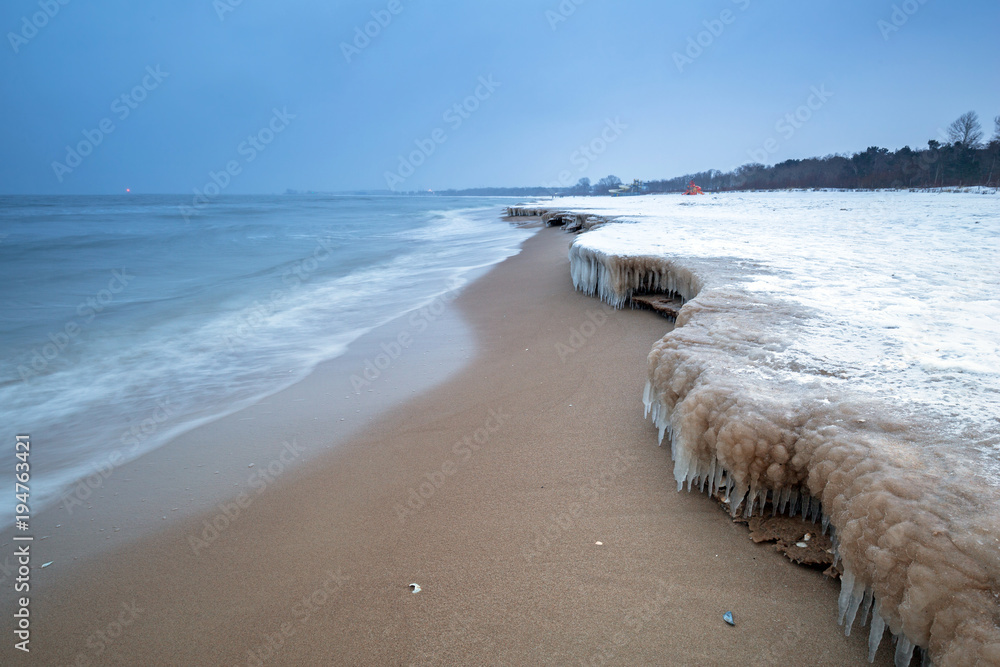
{"type": "Point", "coordinates": [491, 491]}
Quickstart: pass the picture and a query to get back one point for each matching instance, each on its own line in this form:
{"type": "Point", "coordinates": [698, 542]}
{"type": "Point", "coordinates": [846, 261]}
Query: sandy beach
{"type": "Point", "coordinates": [525, 495]}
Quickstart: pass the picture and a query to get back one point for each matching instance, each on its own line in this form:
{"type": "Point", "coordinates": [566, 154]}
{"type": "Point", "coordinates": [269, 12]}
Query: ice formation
{"type": "Point", "coordinates": [775, 387]}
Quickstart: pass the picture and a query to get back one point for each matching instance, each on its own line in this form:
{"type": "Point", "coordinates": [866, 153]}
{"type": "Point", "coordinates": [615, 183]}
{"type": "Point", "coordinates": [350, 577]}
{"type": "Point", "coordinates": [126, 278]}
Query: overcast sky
{"type": "Point", "coordinates": [160, 95]}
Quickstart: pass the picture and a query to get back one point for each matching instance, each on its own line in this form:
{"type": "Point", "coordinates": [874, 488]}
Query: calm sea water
{"type": "Point", "coordinates": [125, 323]}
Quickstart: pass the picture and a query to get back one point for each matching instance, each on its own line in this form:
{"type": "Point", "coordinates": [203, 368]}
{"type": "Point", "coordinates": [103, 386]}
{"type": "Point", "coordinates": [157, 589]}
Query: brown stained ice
{"type": "Point", "coordinates": [916, 529]}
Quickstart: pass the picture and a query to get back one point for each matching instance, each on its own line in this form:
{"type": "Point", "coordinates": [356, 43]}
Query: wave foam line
{"type": "Point", "coordinates": [916, 529]}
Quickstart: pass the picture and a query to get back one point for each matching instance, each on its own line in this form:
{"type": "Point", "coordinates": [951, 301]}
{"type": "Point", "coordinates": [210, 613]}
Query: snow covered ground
{"type": "Point", "coordinates": [843, 346]}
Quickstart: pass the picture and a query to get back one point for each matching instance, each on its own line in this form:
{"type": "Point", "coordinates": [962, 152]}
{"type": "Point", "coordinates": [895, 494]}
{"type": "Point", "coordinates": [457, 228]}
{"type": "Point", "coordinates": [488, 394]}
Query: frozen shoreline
{"type": "Point", "coordinates": [764, 393]}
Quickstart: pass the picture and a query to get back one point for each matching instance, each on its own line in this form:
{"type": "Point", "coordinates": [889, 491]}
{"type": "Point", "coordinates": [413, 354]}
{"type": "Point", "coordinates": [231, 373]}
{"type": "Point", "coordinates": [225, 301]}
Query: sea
{"type": "Point", "coordinates": [127, 320]}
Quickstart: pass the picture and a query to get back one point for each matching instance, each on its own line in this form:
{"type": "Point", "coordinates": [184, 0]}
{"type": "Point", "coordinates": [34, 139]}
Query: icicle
{"type": "Point", "coordinates": [737, 501]}
{"type": "Point", "coordinates": [654, 413]}
{"type": "Point", "coordinates": [826, 523]}
{"type": "Point", "coordinates": [709, 479]}
{"type": "Point", "coordinates": [904, 652]}
{"type": "Point", "coordinates": [751, 499]}
{"type": "Point", "coordinates": [866, 607]}
{"type": "Point", "coordinates": [875, 634]}
{"type": "Point", "coordinates": [857, 596]}
{"type": "Point", "coordinates": [846, 593]}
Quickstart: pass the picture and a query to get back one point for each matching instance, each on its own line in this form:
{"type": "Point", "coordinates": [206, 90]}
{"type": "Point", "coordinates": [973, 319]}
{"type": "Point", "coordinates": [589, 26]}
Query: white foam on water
{"type": "Point", "coordinates": [238, 306]}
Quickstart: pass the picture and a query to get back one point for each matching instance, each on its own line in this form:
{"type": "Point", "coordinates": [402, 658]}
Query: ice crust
{"type": "Point", "coordinates": [842, 364]}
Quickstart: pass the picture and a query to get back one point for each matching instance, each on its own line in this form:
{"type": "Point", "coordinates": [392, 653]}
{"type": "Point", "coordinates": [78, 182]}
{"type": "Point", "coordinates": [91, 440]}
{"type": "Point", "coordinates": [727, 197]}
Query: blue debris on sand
{"type": "Point", "coordinates": [728, 618]}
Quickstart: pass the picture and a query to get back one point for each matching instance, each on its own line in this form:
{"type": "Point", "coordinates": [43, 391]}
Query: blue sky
{"type": "Point", "coordinates": [629, 80]}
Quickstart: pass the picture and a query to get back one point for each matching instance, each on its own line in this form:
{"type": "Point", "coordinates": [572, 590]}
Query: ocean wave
{"type": "Point", "coordinates": [246, 301]}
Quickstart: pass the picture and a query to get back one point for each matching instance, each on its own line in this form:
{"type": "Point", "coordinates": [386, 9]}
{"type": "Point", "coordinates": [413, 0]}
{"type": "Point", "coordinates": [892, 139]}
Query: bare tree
{"type": "Point", "coordinates": [966, 130]}
{"type": "Point", "coordinates": [582, 187]}
{"type": "Point", "coordinates": [604, 185]}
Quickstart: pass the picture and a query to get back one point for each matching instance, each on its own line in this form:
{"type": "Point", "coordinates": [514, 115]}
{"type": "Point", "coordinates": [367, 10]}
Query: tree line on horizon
{"type": "Point", "coordinates": [961, 160]}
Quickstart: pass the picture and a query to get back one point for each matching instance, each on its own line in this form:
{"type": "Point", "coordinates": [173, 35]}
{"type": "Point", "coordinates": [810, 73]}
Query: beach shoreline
{"type": "Point", "coordinates": [490, 490]}
{"type": "Point", "coordinates": [216, 459]}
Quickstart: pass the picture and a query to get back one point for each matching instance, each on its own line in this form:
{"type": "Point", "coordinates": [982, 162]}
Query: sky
{"type": "Point", "coordinates": [169, 96]}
